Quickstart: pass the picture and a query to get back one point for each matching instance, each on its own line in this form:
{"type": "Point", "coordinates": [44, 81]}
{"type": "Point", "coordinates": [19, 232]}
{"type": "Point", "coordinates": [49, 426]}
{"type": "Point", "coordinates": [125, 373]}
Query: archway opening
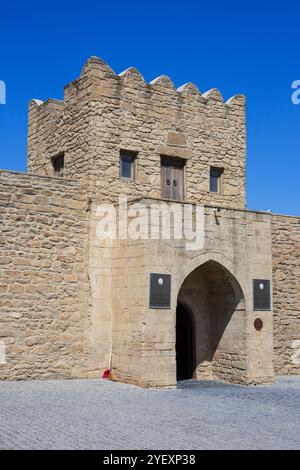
{"type": "Point", "coordinates": [211, 326]}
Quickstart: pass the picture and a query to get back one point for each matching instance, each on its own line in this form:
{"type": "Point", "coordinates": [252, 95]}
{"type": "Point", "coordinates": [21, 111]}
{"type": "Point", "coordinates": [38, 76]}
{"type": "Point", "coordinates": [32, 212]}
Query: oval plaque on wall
{"type": "Point", "coordinates": [258, 324]}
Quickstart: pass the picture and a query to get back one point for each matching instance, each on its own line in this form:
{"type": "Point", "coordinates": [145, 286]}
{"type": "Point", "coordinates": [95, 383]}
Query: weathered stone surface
{"type": "Point", "coordinates": [103, 112]}
{"type": "Point", "coordinates": [68, 298]}
{"type": "Point", "coordinates": [286, 293]}
{"type": "Point", "coordinates": [44, 303]}
{"type": "Point", "coordinates": [144, 339]}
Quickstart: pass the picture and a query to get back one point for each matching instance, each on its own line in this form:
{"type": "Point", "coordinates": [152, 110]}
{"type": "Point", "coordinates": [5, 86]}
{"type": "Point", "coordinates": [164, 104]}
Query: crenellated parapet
{"type": "Point", "coordinates": [96, 70]}
{"type": "Point", "coordinates": [104, 112]}
{"type": "Point", "coordinates": [98, 79]}
{"type": "Point", "coordinates": [99, 74]}
{"type": "Point", "coordinates": [50, 104]}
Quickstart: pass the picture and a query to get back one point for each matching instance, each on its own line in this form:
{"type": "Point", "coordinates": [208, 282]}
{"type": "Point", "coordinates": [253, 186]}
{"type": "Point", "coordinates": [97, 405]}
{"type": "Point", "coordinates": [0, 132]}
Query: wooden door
{"type": "Point", "coordinates": [172, 178]}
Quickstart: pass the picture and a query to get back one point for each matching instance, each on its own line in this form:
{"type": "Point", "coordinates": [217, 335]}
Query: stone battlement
{"type": "Point", "coordinates": [131, 77]}
{"type": "Point", "coordinates": [103, 113]}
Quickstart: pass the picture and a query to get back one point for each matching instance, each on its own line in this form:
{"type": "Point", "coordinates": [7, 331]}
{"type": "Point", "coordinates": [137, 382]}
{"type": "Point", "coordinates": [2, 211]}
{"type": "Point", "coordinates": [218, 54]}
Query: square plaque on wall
{"type": "Point", "coordinates": [261, 294]}
{"type": "Point", "coordinates": [160, 290]}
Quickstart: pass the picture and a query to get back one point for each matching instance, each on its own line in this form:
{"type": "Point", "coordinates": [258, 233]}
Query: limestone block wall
{"type": "Point", "coordinates": [56, 127]}
{"type": "Point", "coordinates": [144, 338]}
{"type": "Point", "coordinates": [103, 113]}
{"type": "Point", "coordinates": [130, 302]}
{"type": "Point", "coordinates": [286, 291]}
{"type": "Point", "coordinates": [43, 277]}
{"type": "Point", "coordinates": [100, 309]}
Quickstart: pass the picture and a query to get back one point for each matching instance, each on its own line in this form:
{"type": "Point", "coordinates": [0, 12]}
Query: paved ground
{"type": "Point", "coordinates": [98, 414]}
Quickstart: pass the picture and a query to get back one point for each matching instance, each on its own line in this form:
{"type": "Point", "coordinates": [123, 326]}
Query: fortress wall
{"type": "Point", "coordinates": [45, 137]}
{"type": "Point", "coordinates": [286, 293]}
{"type": "Point", "coordinates": [144, 338]}
{"type": "Point", "coordinates": [104, 112]}
{"type": "Point", "coordinates": [43, 277]}
{"type": "Point", "coordinates": [157, 119]}
{"type": "Point", "coordinates": [56, 127]}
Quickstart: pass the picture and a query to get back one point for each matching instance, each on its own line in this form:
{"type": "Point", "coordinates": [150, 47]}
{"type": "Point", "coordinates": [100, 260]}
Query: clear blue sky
{"type": "Point", "coordinates": [249, 47]}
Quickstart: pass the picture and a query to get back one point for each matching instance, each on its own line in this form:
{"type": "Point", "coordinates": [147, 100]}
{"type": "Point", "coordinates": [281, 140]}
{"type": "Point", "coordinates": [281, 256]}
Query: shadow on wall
{"type": "Point", "coordinates": [211, 326]}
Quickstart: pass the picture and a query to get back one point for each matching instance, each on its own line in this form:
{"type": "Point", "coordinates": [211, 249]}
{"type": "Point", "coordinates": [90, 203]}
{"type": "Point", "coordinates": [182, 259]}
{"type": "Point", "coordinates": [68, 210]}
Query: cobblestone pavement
{"type": "Point", "coordinates": [98, 414]}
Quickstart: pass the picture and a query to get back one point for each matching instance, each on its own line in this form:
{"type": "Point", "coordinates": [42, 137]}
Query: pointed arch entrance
{"type": "Point", "coordinates": [211, 326]}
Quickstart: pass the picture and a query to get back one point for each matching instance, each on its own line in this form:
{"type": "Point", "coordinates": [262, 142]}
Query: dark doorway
{"type": "Point", "coordinates": [212, 322]}
{"type": "Point", "coordinates": [184, 344]}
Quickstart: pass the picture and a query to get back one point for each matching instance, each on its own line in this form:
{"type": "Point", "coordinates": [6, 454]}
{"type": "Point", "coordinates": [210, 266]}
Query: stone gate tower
{"type": "Point", "coordinates": [157, 311]}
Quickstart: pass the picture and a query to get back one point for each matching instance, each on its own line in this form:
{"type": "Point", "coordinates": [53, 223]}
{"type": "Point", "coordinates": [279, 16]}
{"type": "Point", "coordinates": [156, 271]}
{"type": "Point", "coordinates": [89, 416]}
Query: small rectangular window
{"type": "Point", "coordinates": [127, 164]}
{"type": "Point", "coordinates": [215, 185]}
{"type": "Point", "coordinates": [58, 163]}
